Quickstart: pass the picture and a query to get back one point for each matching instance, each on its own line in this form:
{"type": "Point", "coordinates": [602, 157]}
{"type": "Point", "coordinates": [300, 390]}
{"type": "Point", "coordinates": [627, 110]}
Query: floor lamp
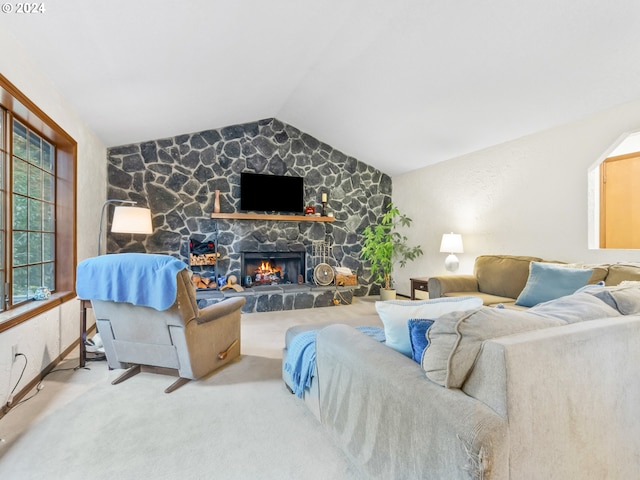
{"type": "Point", "coordinates": [126, 219]}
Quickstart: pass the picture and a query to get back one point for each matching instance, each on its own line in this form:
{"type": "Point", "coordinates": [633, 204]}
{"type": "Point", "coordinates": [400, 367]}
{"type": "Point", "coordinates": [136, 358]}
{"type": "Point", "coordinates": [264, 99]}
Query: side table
{"type": "Point", "coordinates": [420, 288]}
{"type": "Point", "coordinates": [84, 304]}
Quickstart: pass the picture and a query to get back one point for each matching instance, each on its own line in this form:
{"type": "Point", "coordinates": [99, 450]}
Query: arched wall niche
{"type": "Point", "coordinates": [627, 143]}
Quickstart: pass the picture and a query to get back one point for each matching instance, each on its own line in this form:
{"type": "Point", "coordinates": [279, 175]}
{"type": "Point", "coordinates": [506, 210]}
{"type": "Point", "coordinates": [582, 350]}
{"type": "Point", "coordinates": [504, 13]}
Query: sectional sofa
{"type": "Point", "coordinates": [550, 392]}
{"type": "Point", "coordinates": [500, 279]}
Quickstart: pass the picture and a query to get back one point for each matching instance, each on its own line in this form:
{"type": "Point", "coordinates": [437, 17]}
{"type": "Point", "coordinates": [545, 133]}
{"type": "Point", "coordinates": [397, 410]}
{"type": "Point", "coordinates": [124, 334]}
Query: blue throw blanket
{"type": "Point", "coordinates": [138, 278]}
{"type": "Point", "coordinates": [301, 357]}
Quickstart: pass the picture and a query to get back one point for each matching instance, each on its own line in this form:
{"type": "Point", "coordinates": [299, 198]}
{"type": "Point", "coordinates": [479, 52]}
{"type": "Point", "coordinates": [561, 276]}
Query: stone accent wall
{"type": "Point", "coordinates": [176, 177]}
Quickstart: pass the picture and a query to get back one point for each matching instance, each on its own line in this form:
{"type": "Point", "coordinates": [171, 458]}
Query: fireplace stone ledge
{"type": "Point", "coordinates": [273, 298]}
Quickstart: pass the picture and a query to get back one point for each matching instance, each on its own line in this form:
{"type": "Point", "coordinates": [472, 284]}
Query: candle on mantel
{"type": "Point", "coordinates": [324, 197]}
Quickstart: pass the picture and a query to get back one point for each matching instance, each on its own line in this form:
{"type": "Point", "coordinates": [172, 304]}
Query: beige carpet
{"type": "Point", "coordinates": [239, 423]}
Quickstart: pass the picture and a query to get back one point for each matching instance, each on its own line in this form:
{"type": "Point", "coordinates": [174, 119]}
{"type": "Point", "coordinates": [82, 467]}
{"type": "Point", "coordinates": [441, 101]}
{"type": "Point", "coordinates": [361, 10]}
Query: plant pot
{"type": "Point", "coordinates": [387, 294]}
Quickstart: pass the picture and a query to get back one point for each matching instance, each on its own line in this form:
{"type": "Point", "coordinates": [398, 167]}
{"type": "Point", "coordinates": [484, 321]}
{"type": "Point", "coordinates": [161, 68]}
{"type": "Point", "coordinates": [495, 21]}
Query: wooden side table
{"type": "Point", "coordinates": [420, 285]}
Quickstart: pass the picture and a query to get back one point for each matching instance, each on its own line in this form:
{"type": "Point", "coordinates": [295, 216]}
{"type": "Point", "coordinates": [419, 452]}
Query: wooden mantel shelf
{"type": "Point", "coordinates": [266, 216]}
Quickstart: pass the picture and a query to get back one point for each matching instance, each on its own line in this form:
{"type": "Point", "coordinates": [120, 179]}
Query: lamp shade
{"type": "Point", "coordinates": [131, 220]}
{"type": "Point", "coordinates": [451, 243]}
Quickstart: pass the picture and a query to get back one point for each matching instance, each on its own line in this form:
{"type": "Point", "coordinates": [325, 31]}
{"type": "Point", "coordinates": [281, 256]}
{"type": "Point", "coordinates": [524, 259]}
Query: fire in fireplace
{"type": "Point", "coordinates": [266, 273]}
{"type": "Point", "coordinates": [272, 268]}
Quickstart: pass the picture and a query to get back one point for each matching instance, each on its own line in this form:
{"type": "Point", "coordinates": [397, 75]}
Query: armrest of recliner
{"type": "Point", "coordinates": [220, 309]}
{"type": "Point", "coordinates": [440, 286]}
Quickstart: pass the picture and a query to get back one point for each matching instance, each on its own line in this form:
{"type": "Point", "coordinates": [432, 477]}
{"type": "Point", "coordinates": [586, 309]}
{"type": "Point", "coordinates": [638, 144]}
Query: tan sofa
{"type": "Point", "coordinates": [499, 279]}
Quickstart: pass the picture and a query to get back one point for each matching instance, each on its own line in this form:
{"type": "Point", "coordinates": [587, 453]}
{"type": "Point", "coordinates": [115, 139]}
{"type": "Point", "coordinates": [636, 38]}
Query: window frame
{"type": "Point", "coordinates": [34, 118]}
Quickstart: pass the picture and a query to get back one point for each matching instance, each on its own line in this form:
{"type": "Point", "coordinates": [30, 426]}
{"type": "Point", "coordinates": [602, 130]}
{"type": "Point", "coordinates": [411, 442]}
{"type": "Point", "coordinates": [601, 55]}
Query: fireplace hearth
{"type": "Point", "coordinates": [272, 268]}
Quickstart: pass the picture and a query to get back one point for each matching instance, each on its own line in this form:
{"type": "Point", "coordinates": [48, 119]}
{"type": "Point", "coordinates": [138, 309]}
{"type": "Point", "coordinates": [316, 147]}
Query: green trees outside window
{"type": "Point", "coordinates": [33, 219]}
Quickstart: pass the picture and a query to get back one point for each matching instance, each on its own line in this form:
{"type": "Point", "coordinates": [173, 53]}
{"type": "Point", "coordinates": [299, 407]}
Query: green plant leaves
{"type": "Point", "coordinates": [382, 244]}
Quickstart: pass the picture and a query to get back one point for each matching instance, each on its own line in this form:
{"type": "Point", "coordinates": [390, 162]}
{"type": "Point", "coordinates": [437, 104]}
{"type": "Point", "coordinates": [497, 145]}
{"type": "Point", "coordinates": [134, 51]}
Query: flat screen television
{"type": "Point", "coordinates": [271, 193]}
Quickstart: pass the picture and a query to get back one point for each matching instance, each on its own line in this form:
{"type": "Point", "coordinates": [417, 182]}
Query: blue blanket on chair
{"type": "Point", "coordinates": [138, 278]}
{"type": "Point", "coordinates": [301, 357]}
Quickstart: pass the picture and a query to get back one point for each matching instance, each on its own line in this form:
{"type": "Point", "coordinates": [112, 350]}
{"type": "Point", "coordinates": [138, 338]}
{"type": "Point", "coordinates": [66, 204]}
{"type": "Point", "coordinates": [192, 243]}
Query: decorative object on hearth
{"type": "Point", "coordinates": [451, 244]}
{"type": "Point", "coordinates": [323, 273]}
{"type": "Point", "coordinates": [126, 219]}
{"type": "Point", "coordinates": [310, 210]}
{"type": "Point", "coordinates": [345, 277]}
{"type": "Point", "coordinates": [202, 253]}
{"type": "Point", "coordinates": [383, 243]}
{"type": "Point", "coordinates": [216, 202]}
{"type": "Point", "coordinates": [232, 283]}
{"type": "Point", "coordinates": [324, 204]}
{"type": "Point", "coordinates": [202, 281]}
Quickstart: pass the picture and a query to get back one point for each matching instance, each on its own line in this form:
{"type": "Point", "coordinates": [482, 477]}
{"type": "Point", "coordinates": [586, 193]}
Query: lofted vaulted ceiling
{"type": "Point", "coordinates": [399, 84]}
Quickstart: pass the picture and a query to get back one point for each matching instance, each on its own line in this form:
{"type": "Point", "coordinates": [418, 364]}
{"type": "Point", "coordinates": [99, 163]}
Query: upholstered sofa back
{"type": "Point", "coordinates": [502, 275]}
{"type": "Point", "coordinates": [619, 272]}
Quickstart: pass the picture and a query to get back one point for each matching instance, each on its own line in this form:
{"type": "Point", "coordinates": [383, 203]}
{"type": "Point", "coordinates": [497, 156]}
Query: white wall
{"type": "Point", "coordinates": [525, 197]}
{"type": "Point", "coordinates": [43, 338]}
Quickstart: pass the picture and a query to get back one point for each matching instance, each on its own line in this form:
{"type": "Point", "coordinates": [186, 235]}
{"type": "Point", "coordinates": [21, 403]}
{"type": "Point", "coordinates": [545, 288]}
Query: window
{"type": "Point", "coordinates": [33, 201]}
{"type": "Point", "coordinates": [37, 208]}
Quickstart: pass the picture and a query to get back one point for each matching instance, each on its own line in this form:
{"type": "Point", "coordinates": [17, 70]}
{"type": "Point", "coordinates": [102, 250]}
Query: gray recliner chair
{"type": "Point", "coordinates": [181, 339]}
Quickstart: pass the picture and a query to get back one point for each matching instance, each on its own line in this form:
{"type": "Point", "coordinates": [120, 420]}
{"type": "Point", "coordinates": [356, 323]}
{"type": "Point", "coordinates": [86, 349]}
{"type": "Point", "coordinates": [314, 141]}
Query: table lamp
{"type": "Point", "coordinates": [451, 243]}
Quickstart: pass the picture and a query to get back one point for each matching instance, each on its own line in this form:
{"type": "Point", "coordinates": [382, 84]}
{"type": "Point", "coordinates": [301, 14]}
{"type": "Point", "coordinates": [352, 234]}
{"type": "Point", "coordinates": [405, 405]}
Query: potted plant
{"type": "Point", "coordinates": [383, 244]}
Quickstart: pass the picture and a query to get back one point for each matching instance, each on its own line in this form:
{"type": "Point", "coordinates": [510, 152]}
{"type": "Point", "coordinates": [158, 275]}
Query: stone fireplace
{"type": "Point", "coordinates": [178, 177]}
{"type": "Point", "coordinates": [272, 268]}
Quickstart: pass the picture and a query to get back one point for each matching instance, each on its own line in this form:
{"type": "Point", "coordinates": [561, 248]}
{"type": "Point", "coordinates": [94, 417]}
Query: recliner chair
{"type": "Point", "coordinates": [181, 339]}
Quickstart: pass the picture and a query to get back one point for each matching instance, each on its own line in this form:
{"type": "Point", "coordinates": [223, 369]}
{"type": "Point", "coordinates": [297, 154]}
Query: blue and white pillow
{"type": "Point", "coordinates": [395, 315]}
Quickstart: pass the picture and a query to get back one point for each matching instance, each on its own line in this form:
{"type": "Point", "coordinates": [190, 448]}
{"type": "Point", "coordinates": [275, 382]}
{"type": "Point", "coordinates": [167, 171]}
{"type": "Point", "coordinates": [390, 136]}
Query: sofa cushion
{"type": "Point", "coordinates": [625, 298]}
{"type": "Point", "coordinates": [549, 280]}
{"type": "Point", "coordinates": [620, 272]}
{"type": "Point", "coordinates": [418, 337]}
{"type": "Point", "coordinates": [455, 339]}
{"type": "Point", "coordinates": [395, 315]}
{"type": "Point", "coordinates": [502, 275]}
{"type": "Point", "coordinates": [578, 307]}
{"type": "Point", "coordinates": [487, 298]}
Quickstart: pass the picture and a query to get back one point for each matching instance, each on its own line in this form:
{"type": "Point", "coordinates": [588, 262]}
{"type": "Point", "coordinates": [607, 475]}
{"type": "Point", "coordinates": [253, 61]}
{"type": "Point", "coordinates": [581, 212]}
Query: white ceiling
{"type": "Point", "coordinates": [398, 84]}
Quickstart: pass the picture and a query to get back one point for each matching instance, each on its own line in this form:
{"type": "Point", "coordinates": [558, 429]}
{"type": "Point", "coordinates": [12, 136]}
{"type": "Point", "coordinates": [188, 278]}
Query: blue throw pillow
{"type": "Point", "coordinates": [548, 281]}
{"type": "Point", "coordinates": [396, 313]}
{"type": "Point", "coordinates": [418, 336]}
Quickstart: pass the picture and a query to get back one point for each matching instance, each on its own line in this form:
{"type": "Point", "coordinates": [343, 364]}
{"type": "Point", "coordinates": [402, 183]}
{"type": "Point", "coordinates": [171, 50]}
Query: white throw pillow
{"type": "Point", "coordinates": [395, 315]}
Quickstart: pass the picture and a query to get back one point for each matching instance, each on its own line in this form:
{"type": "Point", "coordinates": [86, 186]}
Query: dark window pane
{"type": "Point", "coordinates": [48, 247]}
{"type": "Point", "coordinates": [47, 156]}
{"type": "Point", "coordinates": [20, 212]}
{"type": "Point", "coordinates": [48, 188]}
{"type": "Point", "coordinates": [35, 182]}
{"type": "Point", "coordinates": [19, 248]}
{"type": "Point", "coordinates": [35, 278]}
{"type": "Point", "coordinates": [20, 282]}
{"type": "Point", "coordinates": [19, 140]}
{"type": "Point", "coordinates": [35, 247]}
{"type": "Point", "coordinates": [49, 276]}
{"type": "Point", "coordinates": [47, 217]}
{"type": "Point", "coordinates": [35, 149]}
{"type": "Point", "coordinates": [20, 176]}
{"type": "Point", "coordinates": [35, 215]}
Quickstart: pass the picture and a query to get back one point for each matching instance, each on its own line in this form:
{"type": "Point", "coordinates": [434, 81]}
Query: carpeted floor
{"type": "Point", "coordinates": [239, 423]}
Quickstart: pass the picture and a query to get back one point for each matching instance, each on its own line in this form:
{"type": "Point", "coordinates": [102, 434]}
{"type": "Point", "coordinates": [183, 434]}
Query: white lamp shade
{"type": "Point", "coordinates": [131, 220]}
{"type": "Point", "coordinates": [451, 243]}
